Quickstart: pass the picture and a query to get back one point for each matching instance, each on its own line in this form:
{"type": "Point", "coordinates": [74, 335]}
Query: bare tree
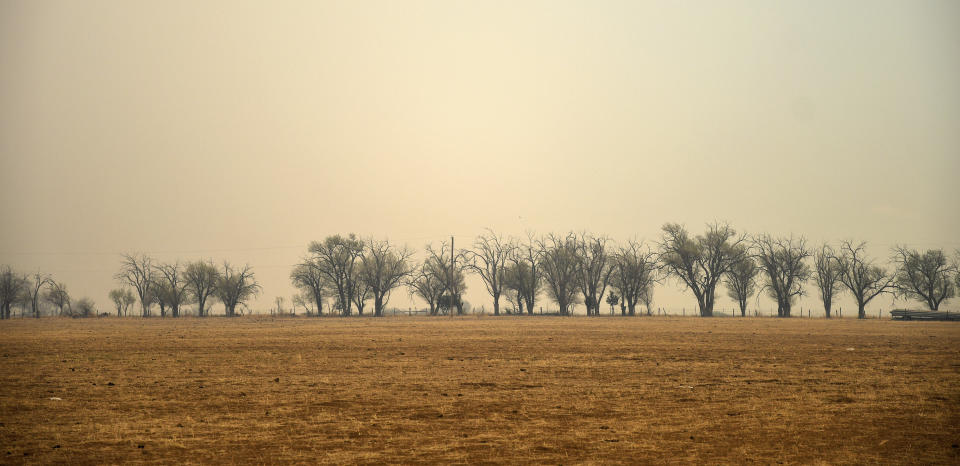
{"type": "Point", "coordinates": [58, 296]}
{"type": "Point", "coordinates": [635, 270]}
{"type": "Point", "coordinates": [304, 300]}
{"type": "Point", "coordinates": [451, 275]}
{"type": "Point", "coordinates": [827, 276]}
{"type": "Point", "coordinates": [361, 291]}
{"type": "Point", "coordinates": [864, 280]}
{"type": "Point", "coordinates": [783, 263]}
{"type": "Point", "coordinates": [489, 260]}
{"type": "Point", "coordinates": [956, 267]}
{"type": "Point", "coordinates": [560, 261]}
{"type": "Point", "coordinates": [159, 295]}
{"type": "Point", "coordinates": [85, 308]}
{"type": "Point", "coordinates": [122, 298]}
{"type": "Point", "coordinates": [524, 275]}
{"type": "Point", "coordinates": [384, 268]}
{"type": "Point", "coordinates": [136, 271]}
{"type": "Point", "coordinates": [36, 283]}
{"type": "Point", "coordinates": [741, 281]}
{"type": "Point", "coordinates": [200, 280]}
{"type": "Point", "coordinates": [13, 286]}
{"type": "Point", "coordinates": [235, 287]}
{"type": "Point", "coordinates": [647, 298]}
{"type": "Point", "coordinates": [308, 277]}
{"type": "Point", "coordinates": [336, 257]}
{"type": "Point", "coordinates": [426, 284]}
{"type": "Point", "coordinates": [701, 262]}
{"type": "Point", "coordinates": [926, 277]}
{"type": "Point", "coordinates": [593, 270]}
{"type": "Point", "coordinates": [511, 293]}
{"type": "Point", "coordinates": [174, 286]}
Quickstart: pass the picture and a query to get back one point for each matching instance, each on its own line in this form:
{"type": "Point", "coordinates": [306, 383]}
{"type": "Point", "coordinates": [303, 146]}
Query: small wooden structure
{"type": "Point", "coordinates": [907, 314]}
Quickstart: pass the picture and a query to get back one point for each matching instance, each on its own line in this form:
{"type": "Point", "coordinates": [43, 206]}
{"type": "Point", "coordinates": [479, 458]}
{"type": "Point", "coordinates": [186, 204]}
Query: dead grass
{"type": "Point", "coordinates": [479, 390]}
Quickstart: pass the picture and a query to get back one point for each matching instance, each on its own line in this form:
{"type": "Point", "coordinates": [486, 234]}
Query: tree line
{"type": "Point", "coordinates": [566, 269]}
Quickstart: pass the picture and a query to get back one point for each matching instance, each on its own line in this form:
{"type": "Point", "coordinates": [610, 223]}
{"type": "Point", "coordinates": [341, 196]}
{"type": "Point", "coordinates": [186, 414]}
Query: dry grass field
{"type": "Point", "coordinates": [478, 390]}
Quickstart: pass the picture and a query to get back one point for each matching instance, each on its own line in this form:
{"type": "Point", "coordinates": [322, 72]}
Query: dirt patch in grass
{"type": "Point", "coordinates": [473, 390]}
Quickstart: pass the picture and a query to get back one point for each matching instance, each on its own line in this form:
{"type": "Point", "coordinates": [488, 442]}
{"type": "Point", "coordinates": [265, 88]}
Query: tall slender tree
{"type": "Point", "coordinates": [741, 281]}
{"type": "Point", "coordinates": [12, 288]}
{"type": "Point", "coordinates": [488, 259]}
{"type": "Point", "coordinates": [827, 276]}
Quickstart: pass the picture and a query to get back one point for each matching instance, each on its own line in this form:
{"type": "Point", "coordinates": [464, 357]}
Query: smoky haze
{"type": "Point", "coordinates": [241, 131]}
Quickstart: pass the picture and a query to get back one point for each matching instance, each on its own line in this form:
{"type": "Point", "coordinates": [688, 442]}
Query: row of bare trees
{"type": "Point", "coordinates": [780, 267]}
{"type": "Point", "coordinates": [568, 269]}
{"type": "Point", "coordinates": [583, 268]}
{"type": "Point", "coordinates": [173, 285]}
{"type": "Point", "coordinates": [30, 291]}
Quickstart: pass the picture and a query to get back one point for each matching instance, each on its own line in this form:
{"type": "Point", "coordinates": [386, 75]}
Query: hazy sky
{"type": "Point", "coordinates": [243, 130]}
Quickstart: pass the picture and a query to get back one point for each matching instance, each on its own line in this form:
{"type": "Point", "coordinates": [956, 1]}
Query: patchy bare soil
{"type": "Point", "coordinates": [472, 390]}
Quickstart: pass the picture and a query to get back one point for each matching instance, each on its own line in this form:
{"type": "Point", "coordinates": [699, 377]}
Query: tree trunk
{"type": "Point", "coordinates": [743, 307]}
{"type": "Point", "coordinates": [496, 304]}
{"type": "Point", "coordinates": [346, 300]}
{"type": "Point", "coordinates": [706, 308]}
{"type": "Point", "coordinates": [378, 306]}
{"type": "Point", "coordinates": [861, 310]}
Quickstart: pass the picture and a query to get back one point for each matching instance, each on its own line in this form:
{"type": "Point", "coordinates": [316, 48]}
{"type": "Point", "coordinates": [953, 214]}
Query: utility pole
{"type": "Point", "coordinates": [452, 278]}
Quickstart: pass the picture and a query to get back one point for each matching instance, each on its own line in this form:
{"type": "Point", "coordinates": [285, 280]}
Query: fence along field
{"type": "Point", "coordinates": [477, 389]}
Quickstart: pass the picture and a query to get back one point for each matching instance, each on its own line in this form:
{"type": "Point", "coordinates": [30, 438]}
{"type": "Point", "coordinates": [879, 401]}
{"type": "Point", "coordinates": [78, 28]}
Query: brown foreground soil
{"type": "Point", "coordinates": [478, 390]}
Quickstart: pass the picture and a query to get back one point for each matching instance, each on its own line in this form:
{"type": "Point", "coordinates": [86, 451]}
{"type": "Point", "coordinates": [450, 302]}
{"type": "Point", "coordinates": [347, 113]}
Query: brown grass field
{"type": "Point", "coordinates": [479, 390]}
